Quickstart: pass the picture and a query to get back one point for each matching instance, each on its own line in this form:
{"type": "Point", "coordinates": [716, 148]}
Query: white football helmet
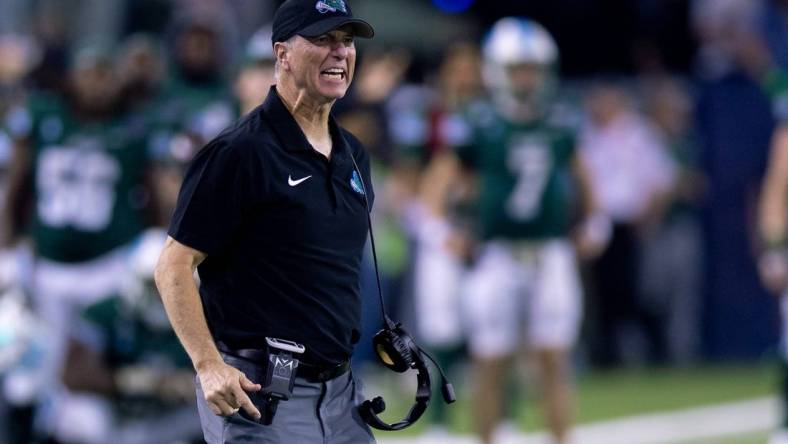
{"type": "Point", "coordinates": [517, 42]}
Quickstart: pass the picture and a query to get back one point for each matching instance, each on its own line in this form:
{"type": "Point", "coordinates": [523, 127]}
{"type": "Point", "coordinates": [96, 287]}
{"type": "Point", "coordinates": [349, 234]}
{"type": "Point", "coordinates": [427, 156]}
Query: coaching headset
{"type": "Point", "coordinates": [396, 349]}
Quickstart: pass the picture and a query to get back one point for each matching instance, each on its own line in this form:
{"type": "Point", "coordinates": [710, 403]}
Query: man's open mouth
{"type": "Point", "coordinates": [334, 73]}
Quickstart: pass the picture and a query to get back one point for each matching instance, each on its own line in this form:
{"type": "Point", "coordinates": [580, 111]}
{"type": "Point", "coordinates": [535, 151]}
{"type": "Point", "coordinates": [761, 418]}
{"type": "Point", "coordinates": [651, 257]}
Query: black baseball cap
{"type": "Point", "coordinates": [312, 18]}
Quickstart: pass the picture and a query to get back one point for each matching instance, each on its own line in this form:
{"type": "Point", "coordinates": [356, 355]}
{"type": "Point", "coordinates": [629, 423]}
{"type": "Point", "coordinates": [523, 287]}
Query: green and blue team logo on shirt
{"type": "Point", "coordinates": [356, 183]}
{"type": "Point", "coordinates": [324, 6]}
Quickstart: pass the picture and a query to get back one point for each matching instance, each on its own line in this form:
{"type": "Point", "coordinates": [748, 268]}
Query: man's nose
{"type": "Point", "coordinates": [339, 50]}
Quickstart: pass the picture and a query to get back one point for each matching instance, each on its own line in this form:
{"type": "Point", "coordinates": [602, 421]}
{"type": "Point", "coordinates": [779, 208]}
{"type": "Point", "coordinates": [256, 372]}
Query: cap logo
{"type": "Point", "coordinates": [324, 6]}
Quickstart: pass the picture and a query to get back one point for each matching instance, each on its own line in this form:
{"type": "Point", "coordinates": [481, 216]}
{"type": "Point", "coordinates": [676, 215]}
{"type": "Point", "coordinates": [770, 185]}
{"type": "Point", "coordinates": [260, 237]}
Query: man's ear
{"type": "Point", "coordinates": [281, 51]}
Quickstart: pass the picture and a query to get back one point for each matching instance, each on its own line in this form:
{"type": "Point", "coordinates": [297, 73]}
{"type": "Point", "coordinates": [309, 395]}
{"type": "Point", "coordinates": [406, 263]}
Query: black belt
{"type": "Point", "coordinates": [310, 372]}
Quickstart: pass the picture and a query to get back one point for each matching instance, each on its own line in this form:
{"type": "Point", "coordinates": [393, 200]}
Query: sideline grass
{"type": "Point", "coordinates": [628, 392]}
{"type": "Point", "coordinates": [757, 438]}
{"type": "Point", "coordinates": [619, 393]}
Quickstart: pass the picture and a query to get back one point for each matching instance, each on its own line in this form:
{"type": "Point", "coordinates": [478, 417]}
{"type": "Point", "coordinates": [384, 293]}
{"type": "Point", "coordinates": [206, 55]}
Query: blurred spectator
{"type": "Point", "coordinates": [670, 275]}
{"type": "Point", "coordinates": [194, 106]}
{"type": "Point", "coordinates": [257, 72]}
{"type": "Point", "coordinates": [142, 71]}
{"type": "Point", "coordinates": [196, 101]}
{"type": "Point", "coordinates": [734, 124]}
{"type": "Point", "coordinates": [632, 172]}
{"type": "Point", "coordinates": [719, 26]}
{"type": "Point", "coordinates": [429, 205]}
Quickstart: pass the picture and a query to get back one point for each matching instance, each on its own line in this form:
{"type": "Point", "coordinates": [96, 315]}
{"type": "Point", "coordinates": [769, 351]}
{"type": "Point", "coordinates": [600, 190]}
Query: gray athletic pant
{"type": "Point", "coordinates": [318, 412]}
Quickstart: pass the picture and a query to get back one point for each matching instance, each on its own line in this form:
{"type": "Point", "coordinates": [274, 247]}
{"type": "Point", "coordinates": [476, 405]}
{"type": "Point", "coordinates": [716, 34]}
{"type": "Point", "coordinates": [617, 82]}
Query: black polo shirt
{"type": "Point", "coordinates": [283, 229]}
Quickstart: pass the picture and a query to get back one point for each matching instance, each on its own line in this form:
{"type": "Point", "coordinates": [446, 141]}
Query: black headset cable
{"type": "Point", "coordinates": [447, 389]}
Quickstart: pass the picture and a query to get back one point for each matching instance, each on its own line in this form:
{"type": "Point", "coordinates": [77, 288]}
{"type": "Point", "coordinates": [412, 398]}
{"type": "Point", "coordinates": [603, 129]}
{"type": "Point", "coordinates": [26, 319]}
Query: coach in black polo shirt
{"type": "Point", "coordinates": [272, 213]}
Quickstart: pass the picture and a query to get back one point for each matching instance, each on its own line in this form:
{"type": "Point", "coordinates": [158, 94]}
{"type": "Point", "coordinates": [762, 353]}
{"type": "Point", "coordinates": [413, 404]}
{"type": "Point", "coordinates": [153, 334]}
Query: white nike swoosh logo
{"type": "Point", "coordinates": [293, 183]}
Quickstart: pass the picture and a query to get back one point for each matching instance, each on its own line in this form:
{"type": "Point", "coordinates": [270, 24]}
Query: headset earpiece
{"type": "Point", "coordinates": [394, 349]}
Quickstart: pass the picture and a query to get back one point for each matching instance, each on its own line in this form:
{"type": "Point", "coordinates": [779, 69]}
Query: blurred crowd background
{"type": "Point", "coordinates": [674, 102]}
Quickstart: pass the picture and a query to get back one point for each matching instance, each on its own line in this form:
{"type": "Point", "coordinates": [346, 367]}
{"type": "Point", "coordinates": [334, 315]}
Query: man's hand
{"type": "Point", "coordinates": [225, 387]}
{"type": "Point", "coordinates": [592, 237]}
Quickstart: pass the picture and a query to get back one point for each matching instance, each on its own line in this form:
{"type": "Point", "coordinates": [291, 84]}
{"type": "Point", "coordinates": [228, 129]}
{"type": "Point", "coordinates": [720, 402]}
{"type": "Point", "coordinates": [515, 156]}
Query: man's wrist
{"type": "Point", "coordinates": [201, 364]}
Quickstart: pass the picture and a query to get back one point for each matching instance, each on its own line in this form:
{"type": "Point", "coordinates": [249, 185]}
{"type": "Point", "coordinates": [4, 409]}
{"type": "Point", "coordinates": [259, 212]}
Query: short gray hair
{"type": "Point", "coordinates": [277, 66]}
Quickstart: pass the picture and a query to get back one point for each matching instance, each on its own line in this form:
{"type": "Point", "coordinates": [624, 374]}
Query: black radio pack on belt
{"type": "Point", "coordinates": [279, 376]}
{"type": "Point", "coordinates": [397, 350]}
{"type": "Point", "coordinates": [279, 359]}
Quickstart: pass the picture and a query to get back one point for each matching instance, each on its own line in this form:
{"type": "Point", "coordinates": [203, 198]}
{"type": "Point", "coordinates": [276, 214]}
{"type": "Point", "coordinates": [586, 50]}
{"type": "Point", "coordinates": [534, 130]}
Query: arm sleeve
{"type": "Point", "coordinates": [214, 196]}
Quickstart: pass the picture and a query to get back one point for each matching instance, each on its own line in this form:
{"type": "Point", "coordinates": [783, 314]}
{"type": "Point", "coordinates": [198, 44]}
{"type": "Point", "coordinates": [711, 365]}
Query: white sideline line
{"type": "Point", "coordinates": [677, 426]}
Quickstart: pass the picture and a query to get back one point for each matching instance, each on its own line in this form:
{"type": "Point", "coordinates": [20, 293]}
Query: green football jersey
{"type": "Point", "coordinates": [524, 173]}
{"type": "Point", "coordinates": [136, 335]}
{"type": "Point", "coordinates": [130, 340]}
{"type": "Point", "coordinates": [88, 182]}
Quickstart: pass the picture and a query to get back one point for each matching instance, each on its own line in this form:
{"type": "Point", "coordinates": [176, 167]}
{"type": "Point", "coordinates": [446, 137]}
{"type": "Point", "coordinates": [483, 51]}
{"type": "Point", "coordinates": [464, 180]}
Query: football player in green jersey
{"type": "Point", "coordinates": [524, 290]}
{"type": "Point", "coordinates": [126, 353]}
{"type": "Point", "coordinates": [194, 105]}
{"type": "Point", "coordinates": [79, 191]}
